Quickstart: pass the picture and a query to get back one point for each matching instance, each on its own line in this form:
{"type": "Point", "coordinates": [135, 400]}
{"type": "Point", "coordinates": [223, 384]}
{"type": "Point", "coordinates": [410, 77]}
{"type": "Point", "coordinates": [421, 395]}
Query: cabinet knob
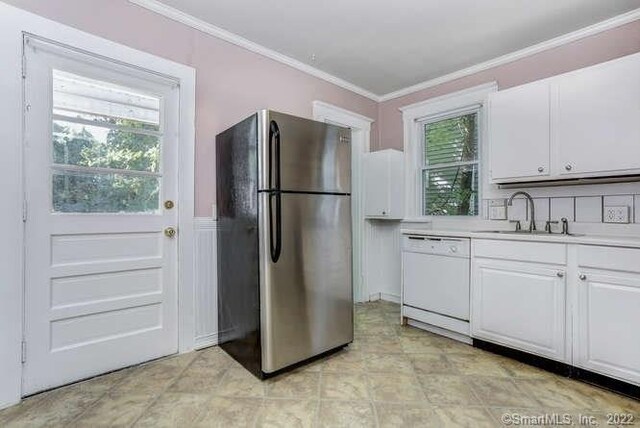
{"type": "Point", "coordinates": [540, 169]}
{"type": "Point", "coordinates": [568, 167]}
{"type": "Point", "coordinates": [560, 274]}
{"type": "Point", "coordinates": [582, 277]}
{"type": "Point", "coordinates": [384, 212]}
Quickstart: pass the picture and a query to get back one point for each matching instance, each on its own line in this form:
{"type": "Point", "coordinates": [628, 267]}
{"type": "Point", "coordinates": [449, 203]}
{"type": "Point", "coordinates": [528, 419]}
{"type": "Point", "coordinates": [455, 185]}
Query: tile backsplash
{"type": "Point", "coordinates": [579, 209]}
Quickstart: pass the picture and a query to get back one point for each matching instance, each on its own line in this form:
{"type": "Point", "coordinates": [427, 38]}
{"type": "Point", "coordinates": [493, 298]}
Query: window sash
{"type": "Point", "coordinates": [425, 167]}
{"type": "Point", "coordinates": [449, 115]}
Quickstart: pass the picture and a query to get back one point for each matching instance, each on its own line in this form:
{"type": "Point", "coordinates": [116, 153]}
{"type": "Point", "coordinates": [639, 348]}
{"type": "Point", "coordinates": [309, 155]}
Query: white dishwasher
{"type": "Point", "coordinates": [435, 278]}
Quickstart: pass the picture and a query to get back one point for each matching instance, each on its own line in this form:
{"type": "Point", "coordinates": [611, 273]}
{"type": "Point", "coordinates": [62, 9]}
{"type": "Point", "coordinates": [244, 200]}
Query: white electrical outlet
{"type": "Point", "coordinates": [616, 214]}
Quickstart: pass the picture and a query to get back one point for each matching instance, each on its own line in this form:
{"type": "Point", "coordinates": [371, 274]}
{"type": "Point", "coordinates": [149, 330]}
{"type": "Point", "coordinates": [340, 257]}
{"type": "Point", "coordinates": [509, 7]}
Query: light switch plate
{"type": "Point", "coordinates": [497, 209]}
{"type": "Point", "coordinates": [616, 214]}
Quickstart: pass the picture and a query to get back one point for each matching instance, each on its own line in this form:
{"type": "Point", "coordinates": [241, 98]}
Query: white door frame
{"type": "Point", "coordinates": [15, 23]}
{"type": "Point", "coordinates": [361, 144]}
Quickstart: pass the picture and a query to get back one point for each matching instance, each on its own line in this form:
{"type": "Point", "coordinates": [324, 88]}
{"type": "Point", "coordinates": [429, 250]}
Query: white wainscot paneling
{"type": "Point", "coordinates": [206, 285]}
{"type": "Point", "coordinates": [382, 265]}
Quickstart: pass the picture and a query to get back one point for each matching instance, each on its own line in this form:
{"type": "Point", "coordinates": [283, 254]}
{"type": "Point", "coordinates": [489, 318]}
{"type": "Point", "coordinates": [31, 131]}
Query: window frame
{"type": "Point", "coordinates": [422, 123]}
{"type": "Point", "coordinates": [441, 107]}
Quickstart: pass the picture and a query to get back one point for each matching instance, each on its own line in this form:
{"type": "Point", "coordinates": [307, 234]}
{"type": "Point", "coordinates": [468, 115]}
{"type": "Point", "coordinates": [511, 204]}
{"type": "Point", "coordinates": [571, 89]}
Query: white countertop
{"type": "Point", "coordinates": [607, 240]}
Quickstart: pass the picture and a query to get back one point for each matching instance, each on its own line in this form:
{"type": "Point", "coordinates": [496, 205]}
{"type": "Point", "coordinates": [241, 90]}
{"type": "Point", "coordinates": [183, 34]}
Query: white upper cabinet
{"type": "Point", "coordinates": [383, 185]}
{"type": "Point", "coordinates": [519, 133]}
{"type": "Point", "coordinates": [581, 124]}
{"type": "Point", "coordinates": [597, 125]}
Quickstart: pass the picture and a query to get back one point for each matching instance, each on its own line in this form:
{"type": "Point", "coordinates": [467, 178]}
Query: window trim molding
{"type": "Point", "coordinates": [444, 105]}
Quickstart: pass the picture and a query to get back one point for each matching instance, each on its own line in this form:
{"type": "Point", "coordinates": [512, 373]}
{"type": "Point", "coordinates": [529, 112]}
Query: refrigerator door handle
{"type": "Point", "coordinates": [275, 198]}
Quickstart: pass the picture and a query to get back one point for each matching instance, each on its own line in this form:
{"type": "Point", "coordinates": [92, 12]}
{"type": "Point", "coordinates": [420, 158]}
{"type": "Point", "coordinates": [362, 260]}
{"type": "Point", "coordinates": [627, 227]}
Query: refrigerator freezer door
{"type": "Point", "coordinates": [306, 296]}
{"type": "Point", "coordinates": [314, 156]}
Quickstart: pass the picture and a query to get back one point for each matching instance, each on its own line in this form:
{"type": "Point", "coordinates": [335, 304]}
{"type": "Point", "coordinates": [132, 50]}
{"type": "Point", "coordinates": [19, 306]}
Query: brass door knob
{"type": "Point", "coordinates": [168, 204]}
{"type": "Point", "coordinates": [170, 232]}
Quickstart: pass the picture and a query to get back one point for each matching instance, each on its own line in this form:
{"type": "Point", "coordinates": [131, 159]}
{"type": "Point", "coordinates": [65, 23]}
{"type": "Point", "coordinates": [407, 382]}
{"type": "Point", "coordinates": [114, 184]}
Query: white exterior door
{"type": "Point", "coordinates": [100, 162]}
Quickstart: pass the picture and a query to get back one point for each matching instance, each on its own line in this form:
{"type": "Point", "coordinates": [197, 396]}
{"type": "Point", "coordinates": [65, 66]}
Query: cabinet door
{"type": "Point", "coordinates": [607, 335]}
{"type": "Point", "coordinates": [376, 184]}
{"type": "Point", "coordinates": [519, 133]}
{"type": "Point", "coordinates": [597, 122]}
{"type": "Point", "coordinates": [519, 305]}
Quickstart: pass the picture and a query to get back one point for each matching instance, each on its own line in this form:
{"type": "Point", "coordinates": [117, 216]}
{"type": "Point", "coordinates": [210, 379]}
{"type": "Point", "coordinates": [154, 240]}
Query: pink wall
{"type": "Point", "coordinates": [605, 46]}
{"type": "Point", "coordinates": [231, 82]}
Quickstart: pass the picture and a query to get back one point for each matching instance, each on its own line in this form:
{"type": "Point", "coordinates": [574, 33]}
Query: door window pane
{"type": "Point", "coordinates": [76, 192]}
{"type": "Point", "coordinates": [75, 95]}
{"type": "Point", "coordinates": [106, 147]}
{"type": "Point", "coordinates": [101, 147]}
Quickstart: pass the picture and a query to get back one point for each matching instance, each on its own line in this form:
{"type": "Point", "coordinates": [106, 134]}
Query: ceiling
{"type": "Point", "coordinates": [384, 46]}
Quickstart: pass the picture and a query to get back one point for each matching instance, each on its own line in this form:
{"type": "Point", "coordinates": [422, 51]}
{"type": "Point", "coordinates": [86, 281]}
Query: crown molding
{"type": "Point", "coordinates": [205, 27]}
{"type": "Point", "coordinates": [599, 27]}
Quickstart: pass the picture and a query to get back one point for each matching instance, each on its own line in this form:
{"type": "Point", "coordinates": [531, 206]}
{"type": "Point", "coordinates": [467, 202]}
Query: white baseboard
{"type": "Point", "coordinates": [206, 341]}
{"type": "Point", "coordinates": [394, 298]}
{"type": "Point", "coordinates": [387, 297]}
{"type": "Point", "coordinates": [374, 296]}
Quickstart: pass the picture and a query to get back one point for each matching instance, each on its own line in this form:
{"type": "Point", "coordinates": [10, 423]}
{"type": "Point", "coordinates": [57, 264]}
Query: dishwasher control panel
{"type": "Point", "coordinates": [459, 247]}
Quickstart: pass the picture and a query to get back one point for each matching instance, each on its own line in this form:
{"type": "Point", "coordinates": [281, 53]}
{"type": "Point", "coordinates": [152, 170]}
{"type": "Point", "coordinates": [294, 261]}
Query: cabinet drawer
{"type": "Point", "coordinates": [609, 258]}
{"type": "Point", "coordinates": [540, 252]}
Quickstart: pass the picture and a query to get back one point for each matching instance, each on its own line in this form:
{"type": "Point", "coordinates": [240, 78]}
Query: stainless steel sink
{"type": "Point", "coordinates": [526, 232]}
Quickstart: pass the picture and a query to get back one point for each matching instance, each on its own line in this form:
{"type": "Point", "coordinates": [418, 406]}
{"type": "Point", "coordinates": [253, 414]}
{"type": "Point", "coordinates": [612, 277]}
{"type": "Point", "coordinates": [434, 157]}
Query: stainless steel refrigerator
{"type": "Point", "coordinates": [283, 240]}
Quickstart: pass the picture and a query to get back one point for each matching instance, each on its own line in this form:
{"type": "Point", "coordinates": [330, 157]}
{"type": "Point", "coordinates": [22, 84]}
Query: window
{"type": "Point", "coordinates": [106, 147]}
{"type": "Point", "coordinates": [450, 164]}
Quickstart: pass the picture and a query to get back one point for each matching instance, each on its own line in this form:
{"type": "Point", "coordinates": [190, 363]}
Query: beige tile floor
{"type": "Point", "coordinates": [391, 376]}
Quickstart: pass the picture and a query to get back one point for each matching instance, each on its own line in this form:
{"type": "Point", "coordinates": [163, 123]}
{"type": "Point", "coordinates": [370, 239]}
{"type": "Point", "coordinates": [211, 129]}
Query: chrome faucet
{"type": "Point", "coordinates": [532, 223]}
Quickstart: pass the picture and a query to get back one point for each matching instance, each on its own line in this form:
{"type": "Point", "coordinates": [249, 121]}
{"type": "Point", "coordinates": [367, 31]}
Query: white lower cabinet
{"type": "Point", "coordinates": [519, 305]}
{"type": "Point", "coordinates": [522, 298]}
{"type": "Point", "coordinates": [607, 314]}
